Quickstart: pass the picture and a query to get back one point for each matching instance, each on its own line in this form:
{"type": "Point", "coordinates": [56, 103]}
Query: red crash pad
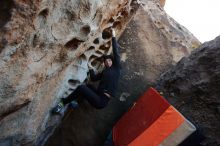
{"type": "Point", "coordinates": [152, 121]}
{"type": "Point", "coordinates": [148, 108]}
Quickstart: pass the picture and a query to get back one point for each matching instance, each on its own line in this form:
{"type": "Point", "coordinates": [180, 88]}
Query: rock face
{"type": "Point", "coordinates": [45, 49]}
{"type": "Point", "coordinates": [146, 52]}
{"type": "Point", "coordinates": [159, 39]}
{"type": "Point", "coordinates": [193, 87]}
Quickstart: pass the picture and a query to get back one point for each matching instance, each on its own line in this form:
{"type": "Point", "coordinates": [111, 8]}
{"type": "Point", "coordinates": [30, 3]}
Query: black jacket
{"type": "Point", "coordinates": [109, 77]}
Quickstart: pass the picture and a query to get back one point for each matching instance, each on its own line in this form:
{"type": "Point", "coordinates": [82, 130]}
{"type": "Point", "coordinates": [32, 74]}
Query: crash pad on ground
{"type": "Point", "coordinates": [152, 121]}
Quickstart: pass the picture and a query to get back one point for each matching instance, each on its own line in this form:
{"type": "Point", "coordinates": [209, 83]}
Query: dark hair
{"type": "Point", "coordinates": [107, 57]}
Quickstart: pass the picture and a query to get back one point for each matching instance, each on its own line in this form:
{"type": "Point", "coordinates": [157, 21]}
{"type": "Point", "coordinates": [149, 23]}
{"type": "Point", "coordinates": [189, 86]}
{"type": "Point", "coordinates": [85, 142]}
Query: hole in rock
{"type": "Point", "coordinates": [73, 82]}
{"type": "Point", "coordinates": [5, 11]}
{"type": "Point", "coordinates": [91, 48]}
{"type": "Point", "coordinates": [35, 40]}
{"type": "Point", "coordinates": [97, 62]}
{"type": "Point", "coordinates": [81, 58]}
{"type": "Point", "coordinates": [117, 24]}
{"type": "Point", "coordinates": [102, 47]}
{"type": "Point", "coordinates": [42, 17]}
{"type": "Point", "coordinates": [132, 11]}
{"type": "Point", "coordinates": [94, 60]}
{"type": "Point", "coordinates": [74, 43]}
{"type": "Point", "coordinates": [85, 30]}
{"type": "Point", "coordinates": [105, 47]}
{"type": "Point", "coordinates": [106, 34]}
{"type": "Point", "coordinates": [124, 13]}
{"type": "Point", "coordinates": [44, 13]}
{"type": "Point", "coordinates": [96, 41]}
{"type": "Point", "coordinates": [92, 57]}
{"type": "Point", "coordinates": [98, 52]}
{"type": "Point", "coordinates": [111, 20]}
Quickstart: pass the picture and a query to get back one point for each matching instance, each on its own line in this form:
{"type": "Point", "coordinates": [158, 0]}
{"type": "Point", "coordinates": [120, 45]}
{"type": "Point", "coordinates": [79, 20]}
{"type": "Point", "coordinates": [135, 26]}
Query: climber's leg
{"type": "Point", "coordinates": [90, 94]}
{"type": "Point", "coordinates": [58, 108]}
{"type": "Point", "coordinates": [72, 96]}
{"type": "Point", "coordinates": [87, 92]}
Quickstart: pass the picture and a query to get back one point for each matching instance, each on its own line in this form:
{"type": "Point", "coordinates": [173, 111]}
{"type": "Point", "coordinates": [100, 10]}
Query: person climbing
{"type": "Point", "coordinates": [109, 77]}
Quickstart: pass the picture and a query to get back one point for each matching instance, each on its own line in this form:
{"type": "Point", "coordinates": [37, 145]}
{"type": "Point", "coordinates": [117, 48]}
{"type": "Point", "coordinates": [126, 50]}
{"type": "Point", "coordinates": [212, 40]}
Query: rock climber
{"type": "Point", "coordinates": [109, 77]}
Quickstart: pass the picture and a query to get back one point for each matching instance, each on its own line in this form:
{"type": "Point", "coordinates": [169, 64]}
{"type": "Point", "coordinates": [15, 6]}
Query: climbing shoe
{"type": "Point", "coordinates": [58, 108]}
{"type": "Point", "coordinates": [73, 104]}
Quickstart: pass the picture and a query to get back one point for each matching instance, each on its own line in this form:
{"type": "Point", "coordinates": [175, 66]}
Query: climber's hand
{"type": "Point", "coordinates": [113, 32]}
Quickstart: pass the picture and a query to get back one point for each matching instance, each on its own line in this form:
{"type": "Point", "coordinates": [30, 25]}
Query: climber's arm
{"type": "Point", "coordinates": [93, 76]}
{"type": "Point", "coordinates": [115, 46]}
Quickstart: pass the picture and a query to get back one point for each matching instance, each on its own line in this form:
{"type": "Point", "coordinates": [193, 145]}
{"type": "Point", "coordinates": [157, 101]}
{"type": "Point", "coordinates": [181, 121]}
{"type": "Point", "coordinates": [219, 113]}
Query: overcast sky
{"type": "Point", "coordinates": [200, 17]}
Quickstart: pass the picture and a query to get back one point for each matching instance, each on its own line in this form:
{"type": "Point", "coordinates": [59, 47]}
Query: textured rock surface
{"type": "Point", "coordinates": [146, 52]}
{"type": "Point", "coordinates": [193, 86]}
{"type": "Point", "coordinates": [160, 40]}
{"type": "Point", "coordinates": [45, 48]}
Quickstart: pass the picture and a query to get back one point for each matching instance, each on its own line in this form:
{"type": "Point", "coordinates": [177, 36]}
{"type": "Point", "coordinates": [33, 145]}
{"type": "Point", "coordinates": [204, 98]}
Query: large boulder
{"type": "Point", "coordinates": [151, 43]}
{"type": "Point", "coordinates": [45, 49]}
{"type": "Point", "coordinates": [192, 86]}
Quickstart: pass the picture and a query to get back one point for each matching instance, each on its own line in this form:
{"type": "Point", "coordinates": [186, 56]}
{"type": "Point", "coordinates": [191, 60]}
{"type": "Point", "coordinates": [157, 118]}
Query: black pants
{"type": "Point", "coordinates": [98, 100]}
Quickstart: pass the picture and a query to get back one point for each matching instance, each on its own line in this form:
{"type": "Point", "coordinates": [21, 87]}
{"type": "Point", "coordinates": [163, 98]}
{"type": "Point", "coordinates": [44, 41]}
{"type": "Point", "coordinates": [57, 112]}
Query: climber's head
{"type": "Point", "coordinates": [108, 60]}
